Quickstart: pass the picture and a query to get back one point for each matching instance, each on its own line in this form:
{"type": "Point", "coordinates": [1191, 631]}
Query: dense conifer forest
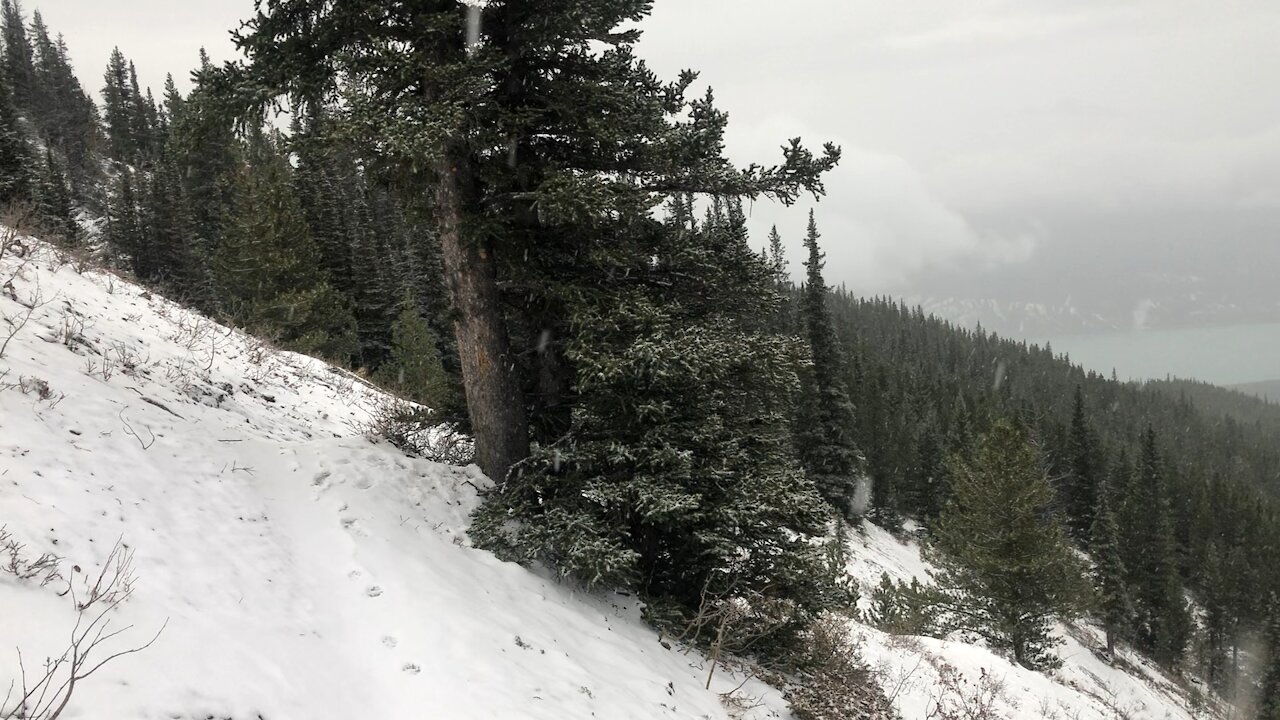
{"type": "Point", "coordinates": [544, 242]}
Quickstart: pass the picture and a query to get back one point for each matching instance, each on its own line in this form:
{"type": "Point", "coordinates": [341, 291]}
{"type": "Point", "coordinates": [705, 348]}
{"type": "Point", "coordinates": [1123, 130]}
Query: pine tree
{"type": "Point", "coordinates": [15, 156]}
{"type": "Point", "coordinates": [209, 161]}
{"type": "Point", "coordinates": [139, 112]}
{"type": "Point", "coordinates": [677, 476]}
{"type": "Point", "coordinates": [1115, 609]}
{"type": "Point", "coordinates": [777, 257]}
{"type": "Point", "coordinates": [827, 425]}
{"type": "Point", "coordinates": [53, 203]}
{"type": "Point", "coordinates": [415, 370]}
{"type": "Point", "coordinates": [1080, 487]}
{"type": "Point", "coordinates": [19, 66]}
{"type": "Point", "coordinates": [124, 232]}
{"type": "Point", "coordinates": [118, 108]}
{"type": "Point", "coordinates": [266, 270]}
{"type": "Point", "coordinates": [512, 226]}
{"type": "Point", "coordinates": [1269, 700]}
{"type": "Point", "coordinates": [178, 262]}
{"type": "Point", "coordinates": [1006, 570]}
{"type": "Point", "coordinates": [1162, 620]}
{"type": "Point", "coordinates": [65, 117]}
{"type": "Point", "coordinates": [1215, 619]}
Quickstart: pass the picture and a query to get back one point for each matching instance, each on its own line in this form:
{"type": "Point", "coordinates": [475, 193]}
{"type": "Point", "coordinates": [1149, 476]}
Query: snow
{"type": "Point", "coordinates": [303, 571]}
{"type": "Point", "coordinates": [914, 670]}
{"type": "Point", "coordinates": [300, 571]}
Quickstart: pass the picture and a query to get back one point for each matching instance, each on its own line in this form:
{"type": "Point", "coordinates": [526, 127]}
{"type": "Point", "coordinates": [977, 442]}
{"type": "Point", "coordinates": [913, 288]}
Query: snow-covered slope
{"type": "Point", "coordinates": [921, 674]}
{"type": "Point", "coordinates": [301, 572]}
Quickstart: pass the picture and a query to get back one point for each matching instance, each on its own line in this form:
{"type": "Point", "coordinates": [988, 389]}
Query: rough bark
{"type": "Point", "coordinates": [494, 400]}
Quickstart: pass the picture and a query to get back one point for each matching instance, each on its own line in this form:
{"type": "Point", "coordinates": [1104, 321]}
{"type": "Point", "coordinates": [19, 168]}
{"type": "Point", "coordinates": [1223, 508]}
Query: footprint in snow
{"type": "Point", "coordinates": [389, 641]}
{"type": "Point", "coordinates": [373, 591]}
{"type": "Point", "coordinates": [411, 668]}
{"type": "Point", "coordinates": [321, 477]}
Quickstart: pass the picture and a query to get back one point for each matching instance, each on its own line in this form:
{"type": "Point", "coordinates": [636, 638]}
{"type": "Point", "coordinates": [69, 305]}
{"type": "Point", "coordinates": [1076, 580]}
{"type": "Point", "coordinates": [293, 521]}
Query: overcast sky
{"type": "Point", "coordinates": [987, 143]}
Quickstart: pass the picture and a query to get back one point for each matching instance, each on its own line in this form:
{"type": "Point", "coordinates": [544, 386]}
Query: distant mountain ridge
{"type": "Point", "coordinates": [1071, 316]}
{"type": "Point", "coordinates": [1265, 389]}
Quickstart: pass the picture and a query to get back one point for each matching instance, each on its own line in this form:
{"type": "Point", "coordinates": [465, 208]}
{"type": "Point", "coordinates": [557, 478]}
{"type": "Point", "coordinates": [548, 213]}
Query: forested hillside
{"type": "Point", "coordinates": [503, 216]}
{"type": "Point", "coordinates": [1191, 485]}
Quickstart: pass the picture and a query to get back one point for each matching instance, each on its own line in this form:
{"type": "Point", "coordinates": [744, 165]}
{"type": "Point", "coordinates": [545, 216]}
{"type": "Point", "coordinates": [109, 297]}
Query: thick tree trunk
{"type": "Point", "coordinates": [494, 400]}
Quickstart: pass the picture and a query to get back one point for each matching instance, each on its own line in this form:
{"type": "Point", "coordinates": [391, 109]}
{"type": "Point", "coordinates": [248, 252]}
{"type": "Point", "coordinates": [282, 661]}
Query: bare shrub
{"type": "Point", "coordinates": [956, 697]}
{"type": "Point", "coordinates": [45, 693]}
{"type": "Point", "coordinates": [414, 430]}
{"type": "Point", "coordinates": [71, 329]}
{"type": "Point", "coordinates": [129, 357]}
{"type": "Point", "coordinates": [15, 322]}
{"type": "Point", "coordinates": [35, 386]}
{"type": "Point", "coordinates": [14, 561]}
{"type": "Point", "coordinates": [17, 220]}
{"type": "Point", "coordinates": [833, 682]}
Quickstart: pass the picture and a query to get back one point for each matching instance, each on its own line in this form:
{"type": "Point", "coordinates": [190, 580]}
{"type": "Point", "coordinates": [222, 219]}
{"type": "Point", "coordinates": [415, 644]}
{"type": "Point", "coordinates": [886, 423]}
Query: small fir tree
{"type": "Point", "coordinates": [415, 370]}
{"type": "Point", "coordinates": [1006, 571]}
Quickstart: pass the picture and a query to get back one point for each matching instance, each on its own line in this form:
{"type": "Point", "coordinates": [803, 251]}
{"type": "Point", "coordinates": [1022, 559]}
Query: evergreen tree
{"type": "Point", "coordinates": [15, 156]}
{"type": "Point", "coordinates": [826, 427]}
{"type": "Point", "coordinates": [65, 117]}
{"type": "Point", "coordinates": [1269, 701]}
{"type": "Point", "coordinates": [19, 66]}
{"type": "Point", "coordinates": [777, 258]}
{"type": "Point", "coordinates": [177, 262]}
{"type": "Point", "coordinates": [266, 269]}
{"type": "Point", "coordinates": [1162, 621]}
{"type": "Point", "coordinates": [512, 225]}
{"type": "Point", "coordinates": [124, 232]}
{"type": "Point", "coordinates": [1006, 570]}
{"type": "Point", "coordinates": [1114, 606]}
{"type": "Point", "coordinates": [1080, 488]}
{"type": "Point", "coordinates": [118, 108]}
{"type": "Point", "coordinates": [677, 475]}
{"type": "Point", "coordinates": [415, 370]}
{"type": "Point", "coordinates": [139, 111]}
{"type": "Point", "coordinates": [53, 206]}
{"type": "Point", "coordinates": [1215, 620]}
{"type": "Point", "coordinates": [208, 161]}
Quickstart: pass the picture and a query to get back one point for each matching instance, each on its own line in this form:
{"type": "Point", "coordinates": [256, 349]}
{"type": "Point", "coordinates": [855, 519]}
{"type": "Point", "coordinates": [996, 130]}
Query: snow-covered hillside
{"type": "Point", "coordinates": [303, 572]}
{"type": "Point", "coordinates": [921, 674]}
{"type": "Point", "coordinates": [295, 570]}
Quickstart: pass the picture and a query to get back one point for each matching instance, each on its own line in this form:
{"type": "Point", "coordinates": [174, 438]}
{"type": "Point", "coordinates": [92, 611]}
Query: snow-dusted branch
{"type": "Point", "coordinates": [45, 694]}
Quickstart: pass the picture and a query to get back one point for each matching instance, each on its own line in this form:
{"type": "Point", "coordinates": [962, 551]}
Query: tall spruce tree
{"type": "Point", "coordinates": [1161, 617]}
{"type": "Point", "coordinates": [1115, 609]}
{"type": "Point", "coordinates": [825, 436]}
{"type": "Point", "coordinates": [19, 65]}
{"type": "Point", "coordinates": [503, 135]}
{"type": "Point", "coordinates": [1006, 569]}
{"type": "Point", "coordinates": [66, 117]}
{"type": "Point", "coordinates": [15, 156]}
{"type": "Point", "coordinates": [118, 107]}
{"type": "Point", "coordinates": [1084, 475]}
